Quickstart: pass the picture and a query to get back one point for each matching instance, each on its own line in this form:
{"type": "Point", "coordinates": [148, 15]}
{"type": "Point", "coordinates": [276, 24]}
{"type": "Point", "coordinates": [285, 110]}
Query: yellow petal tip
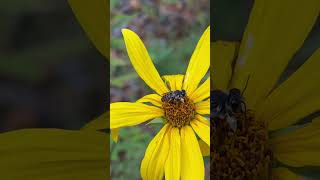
{"type": "Point", "coordinates": [126, 31]}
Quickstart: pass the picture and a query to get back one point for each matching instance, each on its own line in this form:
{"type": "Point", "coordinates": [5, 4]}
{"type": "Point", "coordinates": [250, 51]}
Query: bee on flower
{"type": "Point", "coordinates": [264, 139]}
{"type": "Point", "coordinates": [181, 100]}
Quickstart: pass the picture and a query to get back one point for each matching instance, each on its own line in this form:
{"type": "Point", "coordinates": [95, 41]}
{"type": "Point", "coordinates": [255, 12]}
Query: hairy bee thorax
{"type": "Point", "coordinates": [178, 109]}
{"type": "Point", "coordinates": [240, 154]}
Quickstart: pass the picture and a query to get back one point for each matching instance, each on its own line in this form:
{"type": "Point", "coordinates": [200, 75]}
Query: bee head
{"type": "Point", "coordinates": [235, 91]}
{"type": "Point", "coordinates": [235, 102]}
{"type": "Point", "coordinates": [183, 93]}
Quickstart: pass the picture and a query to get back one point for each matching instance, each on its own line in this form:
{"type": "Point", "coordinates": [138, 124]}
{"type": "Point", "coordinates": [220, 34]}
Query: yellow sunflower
{"type": "Point", "coordinates": [180, 101]}
{"type": "Point", "coordinates": [265, 142]}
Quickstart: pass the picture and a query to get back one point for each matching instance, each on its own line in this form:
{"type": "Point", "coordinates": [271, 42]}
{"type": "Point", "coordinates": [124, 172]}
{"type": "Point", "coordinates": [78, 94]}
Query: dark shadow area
{"type": "Point", "coordinates": [51, 75]}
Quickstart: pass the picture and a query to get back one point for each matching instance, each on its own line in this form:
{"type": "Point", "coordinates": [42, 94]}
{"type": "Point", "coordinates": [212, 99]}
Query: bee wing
{"type": "Point", "coordinates": [218, 109]}
{"type": "Point", "coordinates": [232, 121]}
{"type": "Point", "coordinates": [243, 107]}
{"type": "Point", "coordinates": [228, 107]}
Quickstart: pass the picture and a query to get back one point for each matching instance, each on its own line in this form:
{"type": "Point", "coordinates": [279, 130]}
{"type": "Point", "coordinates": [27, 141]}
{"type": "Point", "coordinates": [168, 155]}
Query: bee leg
{"type": "Point", "coordinates": [232, 121]}
{"type": "Point", "coordinates": [244, 110]}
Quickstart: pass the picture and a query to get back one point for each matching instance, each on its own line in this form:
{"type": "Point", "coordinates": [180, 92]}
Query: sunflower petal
{"type": "Point", "coordinates": [154, 99]}
{"type": "Point", "coordinates": [284, 174]}
{"type": "Point", "coordinates": [202, 92]}
{"type": "Point", "coordinates": [130, 114]}
{"type": "Point", "coordinates": [192, 165]}
{"type": "Point", "coordinates": [294, 99]}
{"type": "Point", "coordinates": [94, 19]}
{"type": "Point", "coordinates": [203, 107]}
{"type": "Point", "coordinates": [204, 147]}
{"type": "Point", "coordinates": [307, 106]}
{"type": "Point", "coordinates": [223, 54]}
{"type": "Point", "coordinates": [54, 154]}
{"type": "Point", "coordinates": [264, 51]}
{"type": "Point", "coordinates": [173, 166]}
{"type": "Point", "coordinates": [300, 147]}
{"type": "Point", "coordinates": [102, 122]}
{"type": "Point", "coordinates": [142, 63]}
{"type": "Point", "coordinates": [174, 82]}
{"type": "Point", "coordinates": [153, 163]}
{"type": "Point", "coordinates": [202, 127]}
{"type": "Point", "coordinates": [199, 63]}
{"type": "Point", "coordinates": [115, 134]}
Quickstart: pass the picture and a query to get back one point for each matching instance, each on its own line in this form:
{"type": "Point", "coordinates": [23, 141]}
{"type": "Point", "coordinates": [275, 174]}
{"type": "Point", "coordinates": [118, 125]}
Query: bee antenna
{"type": "Point", "coordinates": [245, 87]}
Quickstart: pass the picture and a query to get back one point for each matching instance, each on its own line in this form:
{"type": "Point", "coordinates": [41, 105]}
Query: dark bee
{"type": "Point", "coordinates": [235, 102]}
{"type": "Point", "coordinates": [174, 96]}
{"type": "Point", "coordinates": [227, 105]}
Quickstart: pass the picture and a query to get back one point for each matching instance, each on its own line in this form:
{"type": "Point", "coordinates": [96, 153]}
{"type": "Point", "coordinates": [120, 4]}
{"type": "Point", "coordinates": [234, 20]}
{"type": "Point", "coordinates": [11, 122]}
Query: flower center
{"type": "Point", "coordinates": [242, 153]}
{"type": "Point", "coordinates": [178, 109]}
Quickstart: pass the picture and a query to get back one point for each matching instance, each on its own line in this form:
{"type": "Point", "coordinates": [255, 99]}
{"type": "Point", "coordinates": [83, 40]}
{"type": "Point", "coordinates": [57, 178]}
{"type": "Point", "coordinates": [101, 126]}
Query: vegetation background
{"type": "Point", "coordinates": [51, 76]}
{"type": "Point", "coordinates": [170, 30]}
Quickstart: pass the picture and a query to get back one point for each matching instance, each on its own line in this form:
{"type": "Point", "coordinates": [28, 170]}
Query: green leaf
{"type": "Point", "coordinates": [156, 121]}
{"type": "Point", "coordinates": [119, 81]}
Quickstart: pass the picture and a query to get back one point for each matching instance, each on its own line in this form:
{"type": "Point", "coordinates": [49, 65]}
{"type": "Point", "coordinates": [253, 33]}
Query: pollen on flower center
{"type": "Point", "coordinates": [240, 154]}
{"type": "Point", "coordinates": [178, 109]}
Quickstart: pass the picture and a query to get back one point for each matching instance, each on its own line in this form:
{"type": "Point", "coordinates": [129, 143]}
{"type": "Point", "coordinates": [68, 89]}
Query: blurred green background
{"type": "Point", "coordinates": [170, 30]}
{"type": "Point", "coordinates": [50, 74]}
